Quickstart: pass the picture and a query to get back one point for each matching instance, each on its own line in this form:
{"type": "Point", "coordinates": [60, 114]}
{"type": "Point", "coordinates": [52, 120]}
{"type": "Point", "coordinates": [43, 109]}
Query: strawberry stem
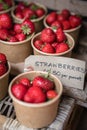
{"type": "Point", "coordinates": [26, 29]}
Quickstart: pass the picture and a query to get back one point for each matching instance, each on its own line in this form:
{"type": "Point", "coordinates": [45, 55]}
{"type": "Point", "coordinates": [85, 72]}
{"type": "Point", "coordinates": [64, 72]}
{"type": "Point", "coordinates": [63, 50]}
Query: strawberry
{"type": "Point", "coordinates": [19, 90]}
{"type": "Point", "coordinates": [40, 12]}
{"type": "Point", "coordinates": [48, 35]}
{"type": "Point", "coordinates": [35, 95]}
{"type": "Point", "coordinates": [19, 15]}
{"type": "Point", "coordinates": [66, 13]}
{"type": "Point", "coordinates": [4, 34]}
{"type": "Point", "coordinates": [51, 18]}
{"type": "Point", "coordinates": [28, 27]}
{"type": "Point", "coordinates": [75, 21]}
{"type": "Point", "coordinates": [62, 47]}
{"type": "Point", "coordinates": [13, 39]}
{"type": "Point", "coordinates": [3, 69]}
{"type": "Point", "coordinates": [28, 13]}
{"type": "Point", "coordinates": [60, 17]}
{"type": "Point", "coordinates": [66, 24]}
{"type": "Point", "coordinates": [47, 48]}
{"type": "Point", "coordinates": [5, 21]}
{"type": "Point", "coordinates": [56, 24]}
{"type": "Point", "coordinates": [60, 35]}
{"type": "Point", "coordinates": [17, 28]}
{"type": "Point", "coordinates": [25, 81]}
{"type": "Point", "coordinates": [3, 6]}
{"type": "Point", "coordinates": [51, 94]}
{"type": "Point", "coordinates": [44, 83]}
{"type": "Point", "coordinates": [20, 36]}
{"type": "Point", "coordinates": [38, 44]}
{"type": "Point", "coordinates": [54, 44]}
{"type": "Point", "coordinates": [9, 2]}
{"type": "Point", "coordinates": [3, 58]}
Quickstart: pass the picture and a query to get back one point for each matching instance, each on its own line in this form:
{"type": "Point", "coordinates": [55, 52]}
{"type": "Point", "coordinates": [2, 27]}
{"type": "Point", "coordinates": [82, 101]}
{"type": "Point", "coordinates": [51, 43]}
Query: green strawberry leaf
{"type": "Point", "coordinates": [26, 30]}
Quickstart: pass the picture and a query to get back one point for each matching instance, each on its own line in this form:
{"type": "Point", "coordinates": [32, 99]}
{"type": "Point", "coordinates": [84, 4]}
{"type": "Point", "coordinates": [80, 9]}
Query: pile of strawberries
{"type": "Point", "coordinates": [3, 64]}
{"type": "Point", "coordinates": [40, 89]}
{"type": "Point", "coordinates": [65, 19]}
{"type": "Point", "coordinates": [52, 41]}
{"type": "Point", "coordinates": [30, 11]}
{"type": "Point", "coordinates": [5, 4]}
{"type": "Point", "coordinates": [15, 32]}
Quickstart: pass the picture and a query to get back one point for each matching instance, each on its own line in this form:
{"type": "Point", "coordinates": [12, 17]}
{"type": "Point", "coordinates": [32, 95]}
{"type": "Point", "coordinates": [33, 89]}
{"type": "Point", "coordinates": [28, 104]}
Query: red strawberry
{"type": "Point", "coordinates": [5, 21]}
{"type": "Point", "coordinates": [19, 90]}
{"type": "Point", "coordinates": [60, 35]}
{"type": "Point", "coordinates": [60, 17]}
{"type": "Point", "coordinates": [47, 48]}
{"type": "Point", "coordinates": [51, 94]}
{"type": "Point", "coordinates": [21, 5]}
{"type": "Point", "coordinates": [3, 69]}
{"type": "Point", "coordinates": [66, 25]}
{"type": "Point", "coordinates": [19, 15]}
{"type": "Point", "coordinates": [48, 35]}
{"type": "Point", "coordinates": [13, 39]}
{"type": "Point", "coordinates": [20, 36]}
{"type": "Point", "coordinates": [44, 83]}
{"type": "Point", "coordinates": [62, 47]}
{"type": "Point", "coordinates": [9, 2]}
{"type": "Point", "coordinates": [26, 82]}
{"type": "Point", "coordinates": [28, 13]}
{"type": "Point", "coordinates": [66, 13]}
{"type": "Point", "coordinates": [28, 27]}
{"type": "Point", "coordinates": [38, 44]}
{"type": "Point", "coordinates": [51, 18]}
{"type": "Point", "coordinates": [54, 44]}
{"type": "Point", "coordinates": [4, 34]}
{"type": "Point", "coordinates": [3, 58]}
{"type": "Point", "coordinates": [56, 24]}
{"type": "Point", "coordinates": [40, 12]}
{"type": "Point", "coordinates": [17, 28]}
{"type": "Point", "coordinates": [35, 95]}
{"type": "Point", "coordinates": [75, 21]}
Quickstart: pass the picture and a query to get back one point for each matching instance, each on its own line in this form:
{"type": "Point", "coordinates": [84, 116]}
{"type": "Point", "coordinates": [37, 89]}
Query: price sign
{"type": "Point", "coordinates": [70, 71]}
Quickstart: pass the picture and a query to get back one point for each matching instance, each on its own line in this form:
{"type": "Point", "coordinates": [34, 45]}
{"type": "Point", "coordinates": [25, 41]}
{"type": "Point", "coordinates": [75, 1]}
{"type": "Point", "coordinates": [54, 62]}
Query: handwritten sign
{"type": "Point", "coordinates": [70, 71]}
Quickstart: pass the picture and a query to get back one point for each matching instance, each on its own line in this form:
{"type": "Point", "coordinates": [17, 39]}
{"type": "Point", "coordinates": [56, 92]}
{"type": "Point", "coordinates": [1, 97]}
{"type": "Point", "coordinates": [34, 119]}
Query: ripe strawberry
{"type": "Point", "coordinates": [40, 12]}
{"type": "Point", "coordinates": [5, 21]}
{"type": "Point", "coordinates": [62, 47]}
{"type": "Point", "coordinates": [3, 69]}
{"type": "Point", "coordinates": [17, 28]}
{"type": "Point", "coordinates": [47, 48]}
{"type": "Point", "coordinates": [19, 15]}
{"type": "Point", "coordinates": [9, 2]}
{"type": "Point", "coordinates": [35, 95]}
{"type": "Point", "coordinates": [75, 21]}
{"type": "Point", "coordinates": [3, 58]}
{"type": "Point", "coordinates": [19, 90]}
{"type": "Point", "coordinates": [60, 35]}
{"type": "Point", "coordinates": [66, 13]}
{"type": "Point", "coordinates": [20, 36]}
{"type": "Point", "coordinates": [28, 27]}
{"type": "Point", "coordinates": [13, 39]}
{"type": "Point", "coordinates": [51, 94]}
{"type": "Point", "coordinates": [60, 17]}
{"type": "Point", "coordinates": [28, 13]}
{"type": "Point", "coordinates": [26, 82]}
{"type": "Point", "coordinates": [51, 18]}
{"type": "Point", "coordinates": [38, 44]}
{"type": "Point", "coordinates": [66, 24]}
{"type": "Point", "coordinates": [56, 24]}
{"type": "Point", "coordinates": [48, 35]}
{"type": "Point", "coordinates": [44, 83]}
{"type": "Point", "coordinates": [54, 44]}
{"type": "Point", "coordinates": [4, 34]}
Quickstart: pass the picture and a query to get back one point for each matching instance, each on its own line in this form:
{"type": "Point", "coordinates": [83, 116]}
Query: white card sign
{"type": "Point", "coordinates": [70, 71]}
